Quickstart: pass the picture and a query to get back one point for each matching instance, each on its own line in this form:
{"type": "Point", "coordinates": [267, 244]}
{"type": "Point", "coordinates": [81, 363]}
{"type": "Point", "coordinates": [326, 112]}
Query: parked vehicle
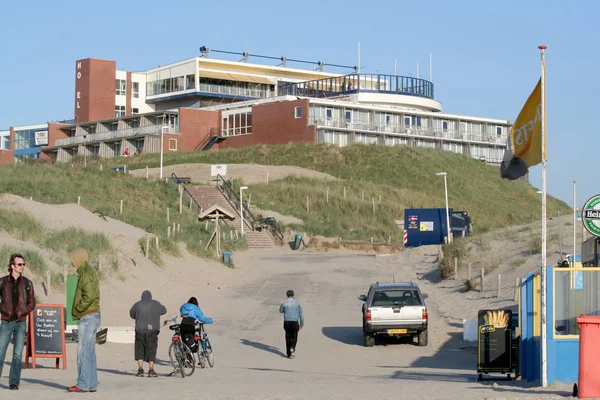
{"type": "Point", "coordinates": [394, 309]}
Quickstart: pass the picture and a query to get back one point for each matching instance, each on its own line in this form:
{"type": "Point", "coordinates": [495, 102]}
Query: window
{"type": "Point", "coordinates": [298, 111]}
{"type": "Point", "coordinates": [348, 116]}
{"type": "Point", "coordinates": [445, 126]}
{"type": "Point", "coordinates": [135, 89]}
{"type": "Point", "coordinates": [498, 131]}
{"type": "Point", "coordinates": [237, 124]}
{"type": "Point", "coordinates": [135, 110]}
{"type": "Point", "coordinates": [172, 144]}
{"type": "Point", "coordinates": [120, 87]}
{"type": "Point", "coordinates": [5, 143]}
{"type": "Point", "coordinates": [395, 297]}
{"type": "Point", "coordinates": [329, 113]}
{"type": "Point", "coordinates": [190, 82]}
{"type": "Point", "coordinates": [119, 111]}
{"type": "Point", "coordinates": [388, 120]}
{"type": "Point", "coordinates": [407, 121]}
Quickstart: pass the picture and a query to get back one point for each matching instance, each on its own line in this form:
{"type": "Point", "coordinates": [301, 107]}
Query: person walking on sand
{"type": "Point", "coordinates": [293, 321]}
{"type": "Point", "coordinates": [146, 313]}
{"type": "Point", "coordinates": [86, 309]}
{"type": "Point", "coordinates": [18, 300]}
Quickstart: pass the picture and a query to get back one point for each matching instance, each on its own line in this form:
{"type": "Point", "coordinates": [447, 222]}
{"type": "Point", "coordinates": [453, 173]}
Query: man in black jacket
{"type": "Point", "coordinates": [146, 313]}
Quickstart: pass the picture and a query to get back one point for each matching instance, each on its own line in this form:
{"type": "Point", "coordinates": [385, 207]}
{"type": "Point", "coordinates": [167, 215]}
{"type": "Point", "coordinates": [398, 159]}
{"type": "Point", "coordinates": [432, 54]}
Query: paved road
{"type": "Point", "coordinates": [331, 362]}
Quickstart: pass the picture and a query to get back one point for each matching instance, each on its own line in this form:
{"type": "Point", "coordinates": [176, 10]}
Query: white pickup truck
{"type": "Point", "coordinates": [394, 309]}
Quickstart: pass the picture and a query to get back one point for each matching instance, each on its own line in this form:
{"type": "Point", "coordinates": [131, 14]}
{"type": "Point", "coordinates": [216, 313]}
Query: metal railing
{"type": "Point", "coordinates": [234, 199]}
{"type": "Point", "coordinates": [408, 130]}
{"type": "Point", "coordinates": [116, 135]}
{"type": "Point", "coordinates": [236, 91]}
{"type": "Point", "coordinates": [179, 182]}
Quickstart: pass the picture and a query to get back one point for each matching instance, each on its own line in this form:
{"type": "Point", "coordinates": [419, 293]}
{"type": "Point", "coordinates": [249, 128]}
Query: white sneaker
{"type": "Point", "coordinates": [293, 355]}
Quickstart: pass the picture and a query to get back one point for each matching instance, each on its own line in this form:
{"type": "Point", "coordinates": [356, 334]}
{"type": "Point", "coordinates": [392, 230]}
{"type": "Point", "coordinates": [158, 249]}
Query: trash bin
{"type": "Point", "coordinates": [588, 385]}
{"type": "Point", "coordinates": [227, 258]}
{"type": "Point", "coordinates": [297, 241]}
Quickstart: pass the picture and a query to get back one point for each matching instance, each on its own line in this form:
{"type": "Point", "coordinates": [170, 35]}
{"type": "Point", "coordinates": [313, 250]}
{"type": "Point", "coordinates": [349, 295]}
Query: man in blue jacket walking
{"type": "Point", "coordinates": [293, 321]}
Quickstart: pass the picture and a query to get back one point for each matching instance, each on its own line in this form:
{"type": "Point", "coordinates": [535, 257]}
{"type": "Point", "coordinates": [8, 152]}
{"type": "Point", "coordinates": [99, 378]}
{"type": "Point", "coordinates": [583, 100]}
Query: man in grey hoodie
{"type": "Point", "coordinates": [146, 313]}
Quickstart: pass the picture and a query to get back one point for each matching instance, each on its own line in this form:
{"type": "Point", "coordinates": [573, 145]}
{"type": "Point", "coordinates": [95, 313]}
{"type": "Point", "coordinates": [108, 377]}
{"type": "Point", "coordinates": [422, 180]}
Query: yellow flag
{"type": "Point", "coordinates": [526, 132]}
{"type": "Point", "coordinates": [524, 147]}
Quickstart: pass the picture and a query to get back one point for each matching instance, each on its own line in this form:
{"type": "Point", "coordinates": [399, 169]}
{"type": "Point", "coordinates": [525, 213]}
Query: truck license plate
{"type": "Point", "coordinates": [396, 331]}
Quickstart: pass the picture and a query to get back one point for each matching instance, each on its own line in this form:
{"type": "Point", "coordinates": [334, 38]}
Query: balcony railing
{"type": "Point", "coordinates": [407, 130]}
{"type": "Point", "coordinates": [355, 83]}
{"type": "Point", "coordinates": [236, 91]}
{"type": "Point", "coordinates": [116, 135]}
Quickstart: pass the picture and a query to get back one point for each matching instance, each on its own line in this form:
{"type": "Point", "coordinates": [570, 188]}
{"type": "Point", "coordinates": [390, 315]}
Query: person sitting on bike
{"type": "Point", "coordinates": [190, 312]}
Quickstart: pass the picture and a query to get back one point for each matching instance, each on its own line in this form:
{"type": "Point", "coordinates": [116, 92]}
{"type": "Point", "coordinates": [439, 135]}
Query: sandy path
{"type": "Point", "coordinates": [331, 362]}
{"type": "Point", "coordinates": [248, 173]}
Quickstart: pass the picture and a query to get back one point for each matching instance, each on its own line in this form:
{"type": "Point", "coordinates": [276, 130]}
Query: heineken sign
{"type": "Point", "coordinates": [590, 215]}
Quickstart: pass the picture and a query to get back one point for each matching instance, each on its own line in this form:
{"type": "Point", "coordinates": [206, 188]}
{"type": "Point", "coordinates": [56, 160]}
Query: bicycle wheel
{"type": "Point", "coordinates": [201, 358]}
{"type": "Point", "coordinates": [176, 359]}
{"type": "Point", "coordinates": [187, 360]}
{"type": "Point", "coordinates": [208, 353]}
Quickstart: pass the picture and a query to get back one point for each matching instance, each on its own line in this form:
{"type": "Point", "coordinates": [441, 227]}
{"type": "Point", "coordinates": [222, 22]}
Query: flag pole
{"type": "Point", "coordinates": [544, 304]}
{"type": "Point", "coordinates": [574, 222]}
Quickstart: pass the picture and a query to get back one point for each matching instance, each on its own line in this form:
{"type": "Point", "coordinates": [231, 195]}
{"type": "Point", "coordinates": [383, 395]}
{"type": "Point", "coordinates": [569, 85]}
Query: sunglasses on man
{"type": "Point", "coordinates": [19, 264]}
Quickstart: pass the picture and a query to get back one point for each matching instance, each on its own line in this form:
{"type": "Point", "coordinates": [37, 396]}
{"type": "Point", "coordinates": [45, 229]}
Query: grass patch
{"type": "Point", "coordinates": [457, 249]}
{"type": "Point", "coordinates": [35, 261]}
{"type": "Point", "coordinates": [72, 238]}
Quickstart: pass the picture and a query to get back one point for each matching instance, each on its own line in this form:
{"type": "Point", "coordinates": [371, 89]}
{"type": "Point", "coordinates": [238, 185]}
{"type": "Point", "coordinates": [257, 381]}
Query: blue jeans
{"type": "Point", "coordinates": [16, 330]}
{"type": "Point", "coordinates": [86, 352]}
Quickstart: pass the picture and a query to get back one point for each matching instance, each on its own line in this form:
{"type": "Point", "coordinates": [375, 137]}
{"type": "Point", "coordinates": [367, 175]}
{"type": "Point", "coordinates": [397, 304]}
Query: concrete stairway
{"type": "Point", "coordinates": [207, 196]}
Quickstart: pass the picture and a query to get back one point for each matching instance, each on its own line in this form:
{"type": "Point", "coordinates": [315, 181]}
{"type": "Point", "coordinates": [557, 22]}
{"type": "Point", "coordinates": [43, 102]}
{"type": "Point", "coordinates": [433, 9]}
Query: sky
{"type": "Point", "coordinates": [485, 55]}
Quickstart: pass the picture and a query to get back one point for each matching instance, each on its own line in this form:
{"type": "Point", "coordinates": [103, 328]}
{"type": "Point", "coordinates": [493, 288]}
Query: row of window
{"type": "Point", "coordinates": [170, 85]}
{"type": "Point", "coordinates": [343, 138]}
{"type": "Point", "coordinates": [120, 111]}
{"type": "Point", "coordinates": [121, 88]}
{"type": "Point", "coordinates": [332, 116]}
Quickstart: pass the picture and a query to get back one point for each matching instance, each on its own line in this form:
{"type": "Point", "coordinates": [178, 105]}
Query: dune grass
{"type": "Point", "coordinates": [404, 177]}
{"type": "Point", "coordinates": [144, 205]}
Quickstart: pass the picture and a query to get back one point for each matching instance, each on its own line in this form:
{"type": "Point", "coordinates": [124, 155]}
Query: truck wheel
{"type": "Point", "coordinates": [423, 338]}
{"type": "Point", "coordinates": [369, 340]}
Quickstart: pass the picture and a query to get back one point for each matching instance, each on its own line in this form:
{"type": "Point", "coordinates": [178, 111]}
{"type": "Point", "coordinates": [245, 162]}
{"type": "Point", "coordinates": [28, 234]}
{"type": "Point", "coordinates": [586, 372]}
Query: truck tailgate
{"type": "Point", "coordinates": [396, 315]}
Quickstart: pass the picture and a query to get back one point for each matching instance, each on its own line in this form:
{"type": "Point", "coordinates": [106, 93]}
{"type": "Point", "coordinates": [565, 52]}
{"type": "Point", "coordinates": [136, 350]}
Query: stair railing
{"type": "Point", "coordinates": [234, 199]}
{"type": "Point", "coordinates": [178, 181]}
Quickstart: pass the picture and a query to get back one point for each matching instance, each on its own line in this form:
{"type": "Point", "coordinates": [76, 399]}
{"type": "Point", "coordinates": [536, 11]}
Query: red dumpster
{"type": "Point", "coordinates": [588, 384]}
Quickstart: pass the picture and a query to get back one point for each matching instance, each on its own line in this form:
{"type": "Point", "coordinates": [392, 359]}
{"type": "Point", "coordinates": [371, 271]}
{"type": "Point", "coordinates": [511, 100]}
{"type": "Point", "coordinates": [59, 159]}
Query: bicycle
{"type": "Point", "coordinates": [205, 352]}
{"type": "Point", "coordinates": [181, 356]}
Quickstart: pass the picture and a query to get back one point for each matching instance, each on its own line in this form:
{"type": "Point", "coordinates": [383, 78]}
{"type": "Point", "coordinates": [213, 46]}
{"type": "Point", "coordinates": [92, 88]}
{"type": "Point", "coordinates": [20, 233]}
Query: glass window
{"type": "Point", "coordinates": [190, 81]}
{"type": "Point", "coordinates": [135, 89]}
{"type": "Point", "coordinates": [5, 143]}
{"type": "Point", "coordinates": [119, 111]}
{"type": "Point", "coordinates": [445, 126]}
{"type": "Point", "coordinates": [298, 111]}
{"type": "Point", "coordinates": [329, 114]}
{"type": "Point", "coordinates": [135, 110]}
{"type": "Point", "coordinates": [348, 116]}
{"type": "Point", "coordinates": [396, 297]}
{"type": "Point", "coordinates": [498, 131]}
{"type": "Point", "coordinates": [173, 144]}
{"type": "Point", "coordinates": [120, 89]}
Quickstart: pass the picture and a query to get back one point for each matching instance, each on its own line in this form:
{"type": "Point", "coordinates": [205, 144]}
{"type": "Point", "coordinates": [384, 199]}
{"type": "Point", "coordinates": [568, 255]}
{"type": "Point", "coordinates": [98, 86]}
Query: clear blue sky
{"type": "Point", "coordinates": [485, 56]}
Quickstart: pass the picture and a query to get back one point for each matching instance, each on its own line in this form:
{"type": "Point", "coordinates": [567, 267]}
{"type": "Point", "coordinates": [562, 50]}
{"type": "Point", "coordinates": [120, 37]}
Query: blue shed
{"type": "Point", "coordinates": [425, 226]}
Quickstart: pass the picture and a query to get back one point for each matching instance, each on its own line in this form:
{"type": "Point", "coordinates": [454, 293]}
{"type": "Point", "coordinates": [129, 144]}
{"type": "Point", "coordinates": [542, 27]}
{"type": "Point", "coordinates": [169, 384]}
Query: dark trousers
{"type": "Point", "coordinates": [146, 345]}
{"type": "Point", "coordinates": [291, 335]}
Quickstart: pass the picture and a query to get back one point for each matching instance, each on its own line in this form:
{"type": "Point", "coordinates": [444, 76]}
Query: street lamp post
{"type": "Point", "coordinates": [447, 210]}
{"type": "Point", "coordinates": [242, 208]}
